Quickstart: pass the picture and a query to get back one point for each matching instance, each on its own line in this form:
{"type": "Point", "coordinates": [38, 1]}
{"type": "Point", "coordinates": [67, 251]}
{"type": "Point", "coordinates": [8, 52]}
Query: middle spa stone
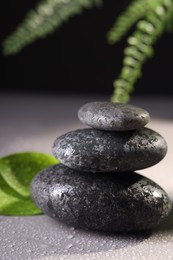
{"type": "Point", "coordinates": [99, 151]}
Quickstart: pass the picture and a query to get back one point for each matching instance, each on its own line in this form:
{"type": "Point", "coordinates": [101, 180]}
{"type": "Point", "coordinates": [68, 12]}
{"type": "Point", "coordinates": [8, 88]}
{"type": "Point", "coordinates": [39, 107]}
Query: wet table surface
{"type": "Point", "coordinates": [31, 123]}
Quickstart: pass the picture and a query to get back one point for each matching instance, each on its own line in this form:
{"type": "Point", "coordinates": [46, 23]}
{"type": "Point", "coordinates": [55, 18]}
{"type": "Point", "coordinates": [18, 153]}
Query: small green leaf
{"type": "Point", "coordinates": [16, 174]}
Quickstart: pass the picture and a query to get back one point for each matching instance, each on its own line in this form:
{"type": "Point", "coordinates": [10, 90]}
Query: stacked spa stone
{"type": "Point", "coordinates": [95, 186]}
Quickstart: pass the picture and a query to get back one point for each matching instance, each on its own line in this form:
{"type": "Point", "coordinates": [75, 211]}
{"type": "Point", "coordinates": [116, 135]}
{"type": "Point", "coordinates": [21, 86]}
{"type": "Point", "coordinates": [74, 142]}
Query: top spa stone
{"type": "Point", "coordinates": [113, 116]}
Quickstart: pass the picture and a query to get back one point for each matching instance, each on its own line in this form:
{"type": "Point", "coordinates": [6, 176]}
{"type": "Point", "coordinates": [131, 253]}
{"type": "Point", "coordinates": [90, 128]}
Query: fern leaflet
{"type": "Point", "coordinates": [48, 15]}
{"type": "Point", "coordinates": [140, 45]}
{"type": "Point", "coordinates": [128, 18]}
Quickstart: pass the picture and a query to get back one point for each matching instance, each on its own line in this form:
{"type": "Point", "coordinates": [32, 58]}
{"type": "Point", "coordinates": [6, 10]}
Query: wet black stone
{"type": "Point", "coordinates": [98, 151]}
{"type": "Point", "coordinates": [113, 116]}
{"type": "Point", "coordinates": [103, 202]}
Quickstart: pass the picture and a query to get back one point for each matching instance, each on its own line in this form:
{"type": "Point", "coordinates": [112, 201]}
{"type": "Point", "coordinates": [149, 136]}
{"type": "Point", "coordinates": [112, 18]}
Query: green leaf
{"type": "Point", "coordinates": [16, 174]}
{"type": "Point", "coordinates": [151, 18]}
{"type": "Point", "coordinates": [136, 10]}
{"type": "Point", "coordinates": [44, 19]}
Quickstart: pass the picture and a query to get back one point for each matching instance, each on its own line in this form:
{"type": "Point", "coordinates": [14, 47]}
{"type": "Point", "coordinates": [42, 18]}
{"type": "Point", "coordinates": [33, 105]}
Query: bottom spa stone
{"type": "Point", "coordinates": [100, 201]}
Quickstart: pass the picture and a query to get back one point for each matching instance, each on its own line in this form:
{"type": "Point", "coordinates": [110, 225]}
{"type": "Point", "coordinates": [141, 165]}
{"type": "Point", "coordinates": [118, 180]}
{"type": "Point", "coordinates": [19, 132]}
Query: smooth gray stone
{"type": "Point", "coordinates": [103, 202]}
{"type": "Point", "coordinates": [98, 151]}
{"type": "Point", "coordinates": [113, 116]}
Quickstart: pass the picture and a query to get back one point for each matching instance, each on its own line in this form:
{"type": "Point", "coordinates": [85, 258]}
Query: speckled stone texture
{"type": "Point", "coordinates": [103, 202]}
{"type": "Point", "coordinates": [98, 151]}
{"type": "Point", "coordinates": [113, 116]}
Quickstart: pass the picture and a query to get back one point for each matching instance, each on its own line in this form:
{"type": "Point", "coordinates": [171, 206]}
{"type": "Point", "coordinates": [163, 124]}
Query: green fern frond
{"type": "Point", "coordinates": [48, 16]}
{"type": "Point", "coordinates": [128, 18]}
{"type": "Point", "coordinates": [140, 46]}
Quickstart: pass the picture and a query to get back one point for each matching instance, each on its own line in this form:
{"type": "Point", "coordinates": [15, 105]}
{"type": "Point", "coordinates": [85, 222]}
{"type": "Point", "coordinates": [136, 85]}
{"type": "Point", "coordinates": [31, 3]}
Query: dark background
{"type": "Point", "coordinates": [77, 58]}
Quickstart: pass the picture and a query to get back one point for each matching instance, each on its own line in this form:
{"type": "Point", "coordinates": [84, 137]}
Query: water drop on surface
{"type": "Point", "coordinates": [28, 250]}
{"type": "Point", "coordinates": [70, 236]}
{"type": "Point", "coordinates": [44, 246]}
{"type": "Point", "coordinates": [72, 228]}
{"type": "Point", "coordinates": [11, 245]}
{"type": "Point", "coordinates": [69, 246]}
{"type": "Point", "coordinates": [53, 251]}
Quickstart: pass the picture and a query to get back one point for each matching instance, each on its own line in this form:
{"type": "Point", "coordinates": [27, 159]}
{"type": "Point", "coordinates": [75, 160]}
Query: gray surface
{"type": "Point", "coordinates": [33, 123]}
{"type": "Point", "coordinates": [37, 237]}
